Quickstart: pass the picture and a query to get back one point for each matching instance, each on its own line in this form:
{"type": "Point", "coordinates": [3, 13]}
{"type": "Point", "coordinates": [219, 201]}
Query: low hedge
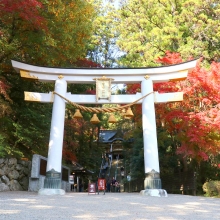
{"type": "Point", "coordinates": [212, 188]}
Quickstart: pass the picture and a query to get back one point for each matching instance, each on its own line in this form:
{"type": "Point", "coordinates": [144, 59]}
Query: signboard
{"type": "Point", "coordinates": [71, 179]}
{"type": "Point", "coordinates": [101, 184]}
{"type": "Point", "coordinates": [91, 188]}
{"type": "Point", "coordinates": [103, 88]}
{"type": "Point", "coordinates": [128, 178]}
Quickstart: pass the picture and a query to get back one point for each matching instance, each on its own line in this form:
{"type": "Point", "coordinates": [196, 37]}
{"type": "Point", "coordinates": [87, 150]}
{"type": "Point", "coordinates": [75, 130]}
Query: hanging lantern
{"type": "Point", "coordinates": [127, 117]}
{"type": "Point", "coordinates": [128, 113]}
{"type": "Point", "coordinates": [123, 112]}
{"type": "Point", "coordinates": [112, 119]}
{"type": "Point", "coordinates": [77, 114]}
{"type": "Point", "coordinates": [94, 119]}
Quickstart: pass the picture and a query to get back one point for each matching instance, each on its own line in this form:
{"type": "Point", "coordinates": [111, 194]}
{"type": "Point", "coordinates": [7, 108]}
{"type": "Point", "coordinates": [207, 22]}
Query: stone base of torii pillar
{"type": "Point", "coordinates": [52, 184]}
{"type": "Point", "coordinates": [49, 192]}
{"type": "Point", "coordinates": [154, 192]}
{"type": "Point", "coordinates": [152, 185]}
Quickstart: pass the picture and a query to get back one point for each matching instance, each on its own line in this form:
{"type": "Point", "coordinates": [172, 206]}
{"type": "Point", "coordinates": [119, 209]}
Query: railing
{"type": "Point", "coordinates": [104, 167]}
{"type": "Point", "coordinates": [116, 169]}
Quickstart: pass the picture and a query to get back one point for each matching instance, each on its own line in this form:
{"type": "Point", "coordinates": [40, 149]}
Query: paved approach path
{"type": "Point", "coordinates": [122, 206]}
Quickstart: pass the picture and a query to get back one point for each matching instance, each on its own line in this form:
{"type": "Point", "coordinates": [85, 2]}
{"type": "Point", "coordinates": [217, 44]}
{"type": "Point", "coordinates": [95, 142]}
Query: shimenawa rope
{"type": "Point", "coordinates": [99, 110]}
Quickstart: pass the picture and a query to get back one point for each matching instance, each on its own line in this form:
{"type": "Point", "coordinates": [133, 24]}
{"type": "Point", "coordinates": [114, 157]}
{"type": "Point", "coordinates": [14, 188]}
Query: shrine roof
{"type": "Point", "coordinates": [105, 136]}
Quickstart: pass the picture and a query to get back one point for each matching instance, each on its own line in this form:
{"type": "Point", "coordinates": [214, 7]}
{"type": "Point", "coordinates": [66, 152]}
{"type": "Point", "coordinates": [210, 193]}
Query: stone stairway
{"type": "Point", "coordinates": [115, 171]}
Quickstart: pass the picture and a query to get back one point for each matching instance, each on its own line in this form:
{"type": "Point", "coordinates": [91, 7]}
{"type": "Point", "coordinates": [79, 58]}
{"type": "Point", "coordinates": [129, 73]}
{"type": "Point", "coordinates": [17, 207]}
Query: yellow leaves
{"type": "Point", "coordinates": [72, 4]}
{"type": "Point", "coordinates": [70, 28]}
{"type": "Point", "coordinates": [5, 67]}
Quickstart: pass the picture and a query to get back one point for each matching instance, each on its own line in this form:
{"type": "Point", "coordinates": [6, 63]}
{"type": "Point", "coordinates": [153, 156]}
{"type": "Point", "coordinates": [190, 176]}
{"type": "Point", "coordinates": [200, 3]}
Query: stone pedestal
{"type": "Point", "coordinates": [154, 192]}
{"type": "Point", "coordinates": [52, 184]}
{"type": "Point", "coordinates": [152, 180]}
{"type": "Point", "coordinates": [152, 184]}
{"type": "Point", "coordinates": [49, 192]}
{"type": "Point", "coordinates": [52, 180]}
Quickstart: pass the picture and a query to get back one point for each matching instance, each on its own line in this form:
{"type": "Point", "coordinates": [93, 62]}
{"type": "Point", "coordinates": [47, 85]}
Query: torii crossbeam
{"type": "Point", "coordinates": [145, 76]}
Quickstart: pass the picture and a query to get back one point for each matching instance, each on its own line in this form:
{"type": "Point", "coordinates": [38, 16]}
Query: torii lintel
{"type": "Point", "coordinates": [115, 99]}
{"type": "Point", "coordinates": [120, 75]}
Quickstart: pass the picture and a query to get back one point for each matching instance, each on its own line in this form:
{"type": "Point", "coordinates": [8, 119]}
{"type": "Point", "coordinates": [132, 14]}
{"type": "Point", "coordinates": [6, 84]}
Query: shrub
{"type": "Point", "coordinates": [212, 188]}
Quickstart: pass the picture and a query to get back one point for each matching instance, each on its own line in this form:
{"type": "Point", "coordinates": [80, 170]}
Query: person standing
{"type": "Point", "coordinates": [113, 184]}
{"type": "Point", "coordinates": [117, 186]}
{"type": "Point", "coordinates": [108, 185]}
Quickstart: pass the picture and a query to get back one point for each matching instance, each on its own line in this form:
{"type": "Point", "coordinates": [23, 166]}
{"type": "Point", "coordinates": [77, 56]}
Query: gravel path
{"type": "Point", "coordinates": [122, 206]}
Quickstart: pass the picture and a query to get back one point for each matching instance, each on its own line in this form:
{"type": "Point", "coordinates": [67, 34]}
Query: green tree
{"type": "Point", "coordinates": [26, 129]}
{"type": "Point", "coordinates": [102, 48]}
{"type": "Point", "coordinates": [50, 33]}
{"type": "Point", "coordinates": [150, 28]}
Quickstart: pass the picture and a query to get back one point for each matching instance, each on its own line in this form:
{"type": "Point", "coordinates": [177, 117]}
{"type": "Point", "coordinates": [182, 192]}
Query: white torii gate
{"type": "Point", "coordinates": [145, 76]}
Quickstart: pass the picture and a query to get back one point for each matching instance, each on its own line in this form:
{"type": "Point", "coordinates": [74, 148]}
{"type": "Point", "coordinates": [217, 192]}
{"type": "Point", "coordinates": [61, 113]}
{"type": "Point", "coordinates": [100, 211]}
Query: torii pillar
{"type": "Point", "coordinates": [152, 183]}
{"type": "Point", "coordinates": [52, 183]}
{"type": "Point", "coordinates": [61, 77]}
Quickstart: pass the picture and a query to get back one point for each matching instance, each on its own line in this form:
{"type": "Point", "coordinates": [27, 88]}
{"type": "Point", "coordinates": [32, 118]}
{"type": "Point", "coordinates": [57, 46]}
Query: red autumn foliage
{"type": "Point", "coordinates": [77, 134]}
{"type": "Point", "coordinates": [70, 144]}
{"type": "Point", "coordinates": [194, 122]}
{"type": "Point", "coordinates": [3, 89]}
{"type": "Point", "coordinates": [69, 155]}
{"type": "Point", "coordinates": [90, 91]}
{"type": "Point", "coordinates": [26, 10]}
{"type": "Point", "coordinates": [170, 59]}
{"type": "Point", "coordinates": [87, 63]}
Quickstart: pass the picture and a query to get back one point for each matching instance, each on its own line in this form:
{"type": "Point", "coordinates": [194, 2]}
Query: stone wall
{"type": "Point", "coordinates": [14, 174]}
{"type": "Point", "coordinates": [38, 174]}
{"type": "Point", "coordinates": [20, 175]}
